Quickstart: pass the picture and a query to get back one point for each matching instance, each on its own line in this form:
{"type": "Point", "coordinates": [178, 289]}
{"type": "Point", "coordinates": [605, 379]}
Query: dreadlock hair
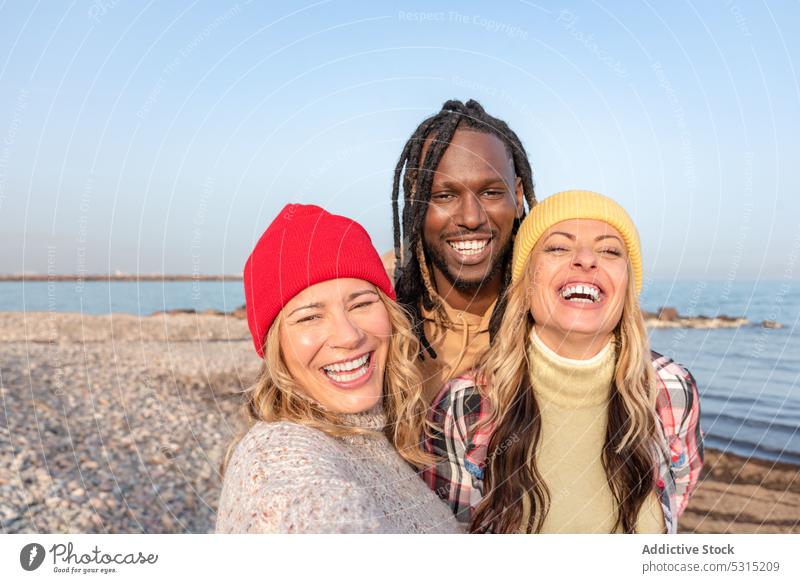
{"type": "Point", "coordinates": [417, 177]}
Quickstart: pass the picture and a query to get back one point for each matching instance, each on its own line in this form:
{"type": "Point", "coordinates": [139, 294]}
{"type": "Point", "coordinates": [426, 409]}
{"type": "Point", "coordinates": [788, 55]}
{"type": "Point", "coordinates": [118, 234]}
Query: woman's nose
{"type": "Point", "coordinates": [345, 333]}
{"type": "Point", "coordinates": [585, 258]}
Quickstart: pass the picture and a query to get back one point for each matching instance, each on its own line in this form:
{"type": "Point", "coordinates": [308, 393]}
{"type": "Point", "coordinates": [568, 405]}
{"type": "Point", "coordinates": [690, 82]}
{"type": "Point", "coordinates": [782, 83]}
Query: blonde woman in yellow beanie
{"type": "Point", "coordinates": [570, 424]}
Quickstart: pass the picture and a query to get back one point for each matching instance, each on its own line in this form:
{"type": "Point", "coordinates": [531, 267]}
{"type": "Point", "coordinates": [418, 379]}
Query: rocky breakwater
{"type": "Point", "coordinates": [667, 317]}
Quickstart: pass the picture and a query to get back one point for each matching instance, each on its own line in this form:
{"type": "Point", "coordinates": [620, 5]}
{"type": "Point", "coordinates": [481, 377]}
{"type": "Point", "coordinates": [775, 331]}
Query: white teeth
{"type": "Point", "coordinates": [347, 366]}
{"type": "Point", "coordinates": [581, 289]}
{"type": "Point", "coordinates": [347, 371]}
{"type": "Point", "coordinates": [469, 247]}
{"type": "Point", "coordinates": [343, 378]}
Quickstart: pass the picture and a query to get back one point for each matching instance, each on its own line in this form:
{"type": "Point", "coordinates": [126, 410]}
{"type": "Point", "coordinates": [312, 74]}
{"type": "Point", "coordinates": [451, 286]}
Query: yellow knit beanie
{"type": "Point", "coordinates": [575, 204]}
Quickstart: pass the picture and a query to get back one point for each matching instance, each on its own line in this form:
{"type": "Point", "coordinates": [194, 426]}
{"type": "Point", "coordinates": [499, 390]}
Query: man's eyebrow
{"type": "Point", "coordinates": [456, 185]}
{"type": "Point", "coordinates": [448, 184]}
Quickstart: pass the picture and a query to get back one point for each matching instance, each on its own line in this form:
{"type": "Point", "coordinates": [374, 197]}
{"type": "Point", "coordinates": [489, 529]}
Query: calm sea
{"type": "Point", "coordinates": [749, 378]}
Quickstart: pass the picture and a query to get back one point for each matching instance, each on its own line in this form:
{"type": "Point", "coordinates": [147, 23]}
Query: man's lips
{"type": "Point", "coordinates": [471, 249]}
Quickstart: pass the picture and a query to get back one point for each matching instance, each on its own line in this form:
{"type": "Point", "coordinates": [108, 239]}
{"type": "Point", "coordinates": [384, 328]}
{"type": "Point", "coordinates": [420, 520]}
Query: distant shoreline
{"type": "Point", "coordinates": [124, 277]}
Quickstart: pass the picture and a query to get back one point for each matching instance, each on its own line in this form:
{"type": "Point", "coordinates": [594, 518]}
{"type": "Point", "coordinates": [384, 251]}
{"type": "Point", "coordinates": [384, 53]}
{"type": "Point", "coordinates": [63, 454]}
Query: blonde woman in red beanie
{"type": "Point", "coordinates": [337, 415]}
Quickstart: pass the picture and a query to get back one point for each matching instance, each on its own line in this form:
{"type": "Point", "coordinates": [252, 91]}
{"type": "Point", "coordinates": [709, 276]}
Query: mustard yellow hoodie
{"type": "Point", "coordinates": [459, 339]}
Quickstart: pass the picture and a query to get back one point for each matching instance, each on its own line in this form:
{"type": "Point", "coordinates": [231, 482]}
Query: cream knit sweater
{"type": "Point", "coordinates": [286, 477]}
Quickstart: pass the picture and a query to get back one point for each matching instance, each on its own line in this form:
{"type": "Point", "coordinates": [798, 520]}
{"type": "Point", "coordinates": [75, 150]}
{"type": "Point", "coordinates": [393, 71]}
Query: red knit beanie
{"type": "Point", "coordinates": [303, 246]}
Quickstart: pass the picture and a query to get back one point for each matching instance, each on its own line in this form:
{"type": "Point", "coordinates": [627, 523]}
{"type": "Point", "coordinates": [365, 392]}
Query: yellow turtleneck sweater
{"type": "Point", "coordinates": [573, 399]}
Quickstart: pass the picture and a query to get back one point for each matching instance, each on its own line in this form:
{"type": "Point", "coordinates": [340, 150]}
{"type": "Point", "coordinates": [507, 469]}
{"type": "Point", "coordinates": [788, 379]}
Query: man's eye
{"type": "Point", "coordinates": [442, 196]}
{"type": "Point", "coordinates": [494, 193]}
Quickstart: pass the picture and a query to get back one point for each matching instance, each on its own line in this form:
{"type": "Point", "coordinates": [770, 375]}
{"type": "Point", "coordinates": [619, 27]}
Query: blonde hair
{"type": "Point", "coordinates": [517, 499]}
{"type": "Point", "coordinates": [276, 396]}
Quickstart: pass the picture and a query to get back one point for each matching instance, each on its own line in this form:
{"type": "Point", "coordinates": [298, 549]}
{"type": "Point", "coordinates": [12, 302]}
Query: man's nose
{"type": "Point", "coordinates": [471, 214]}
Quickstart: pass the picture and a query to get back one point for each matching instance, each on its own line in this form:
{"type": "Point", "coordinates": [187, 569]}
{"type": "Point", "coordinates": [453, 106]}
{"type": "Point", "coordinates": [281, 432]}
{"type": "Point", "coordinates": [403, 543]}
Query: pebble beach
{"type": "Point", "coordinates": [118, 424]}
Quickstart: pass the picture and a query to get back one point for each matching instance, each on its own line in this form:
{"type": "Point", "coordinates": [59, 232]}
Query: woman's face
{"type": "Point", "coordinates": [334, 338]}
{"type": "Point", "coordinates": [579, 277]}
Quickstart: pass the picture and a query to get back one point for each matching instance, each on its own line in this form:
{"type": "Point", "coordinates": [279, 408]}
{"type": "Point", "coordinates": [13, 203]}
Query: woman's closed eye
{"type": "Point", "coordinates": [309, 318]}
{"type": "Point", "coordinates": [361, 305]}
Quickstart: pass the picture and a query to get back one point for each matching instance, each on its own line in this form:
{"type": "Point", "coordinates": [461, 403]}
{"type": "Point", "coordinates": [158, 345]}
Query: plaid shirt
{"type": "Point", "coordinates": [458, 477]}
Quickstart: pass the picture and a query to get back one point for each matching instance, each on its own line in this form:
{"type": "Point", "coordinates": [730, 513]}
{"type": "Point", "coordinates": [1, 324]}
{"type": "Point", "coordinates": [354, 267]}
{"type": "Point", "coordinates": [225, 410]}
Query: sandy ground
{"type": "Point", "coordinates": [118, 424]}
{"type": "Point", "coordinates": [737, 495]}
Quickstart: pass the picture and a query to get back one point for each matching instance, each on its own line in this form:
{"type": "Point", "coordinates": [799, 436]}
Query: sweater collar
{"type": "Point", "coordinates": [567, 382]}
{"type": "Point", "coordinates": [374, 418]}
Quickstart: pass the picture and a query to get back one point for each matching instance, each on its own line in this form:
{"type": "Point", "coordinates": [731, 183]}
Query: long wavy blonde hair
{"type": "Point", "coordinates": [517, 499]}
{"type": "Point", "coordinates": [276, 396]}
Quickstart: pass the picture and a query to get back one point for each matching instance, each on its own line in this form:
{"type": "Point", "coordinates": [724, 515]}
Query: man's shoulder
{"type": "Point", "coordinates": [462, 386]}
{"type": "Point", "coordinates": [460, 397]}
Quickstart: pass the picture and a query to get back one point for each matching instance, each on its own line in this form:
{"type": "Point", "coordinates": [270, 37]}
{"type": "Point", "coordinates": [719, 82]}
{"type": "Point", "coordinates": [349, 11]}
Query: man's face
{"type": "Point", "coordinates": [475, 197]}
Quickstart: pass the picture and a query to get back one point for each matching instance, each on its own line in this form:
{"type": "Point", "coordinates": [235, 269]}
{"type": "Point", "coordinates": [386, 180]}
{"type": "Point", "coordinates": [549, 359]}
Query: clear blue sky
{"type": "Point", "coordinates": [164, 136]}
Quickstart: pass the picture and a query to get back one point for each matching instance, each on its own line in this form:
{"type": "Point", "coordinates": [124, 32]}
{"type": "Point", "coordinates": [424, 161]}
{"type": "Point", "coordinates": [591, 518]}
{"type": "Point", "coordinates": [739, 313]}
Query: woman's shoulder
{"type": "Point", "coordinates": [284, 447]}
{"type": "Point", "coordinates": [288, 477]}
{"type": "Point", "coordinates": [669, 370]}
{"type": "Point", "coordinates": [675, 383]}
{"type": "Point", "coordinates": [677, 400]}
{"type": "Point", "coordinates": [278, 431]}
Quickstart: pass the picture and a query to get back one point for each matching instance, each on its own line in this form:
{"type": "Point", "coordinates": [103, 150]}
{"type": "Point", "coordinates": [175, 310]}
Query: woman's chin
{"type": "Point", "coordinates": [580, 325]}
{"type": "Point", "coordinates": [340, 399]}
{"type": "Point", "coordinates": [356, 403]}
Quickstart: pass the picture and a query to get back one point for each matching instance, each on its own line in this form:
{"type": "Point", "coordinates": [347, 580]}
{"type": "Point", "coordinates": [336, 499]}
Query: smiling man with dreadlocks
{"type": "Point", "coordinates": [465, 178]}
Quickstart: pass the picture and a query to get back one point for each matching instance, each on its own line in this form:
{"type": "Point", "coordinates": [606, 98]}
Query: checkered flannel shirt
{"type": "Point", "coordinates": [458, 477]}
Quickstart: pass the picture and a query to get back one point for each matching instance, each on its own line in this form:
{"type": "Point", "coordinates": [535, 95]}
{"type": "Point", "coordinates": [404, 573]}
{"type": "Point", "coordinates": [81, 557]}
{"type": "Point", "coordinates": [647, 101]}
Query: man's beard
{"type": "Point", "coordinates": [440, 263]}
